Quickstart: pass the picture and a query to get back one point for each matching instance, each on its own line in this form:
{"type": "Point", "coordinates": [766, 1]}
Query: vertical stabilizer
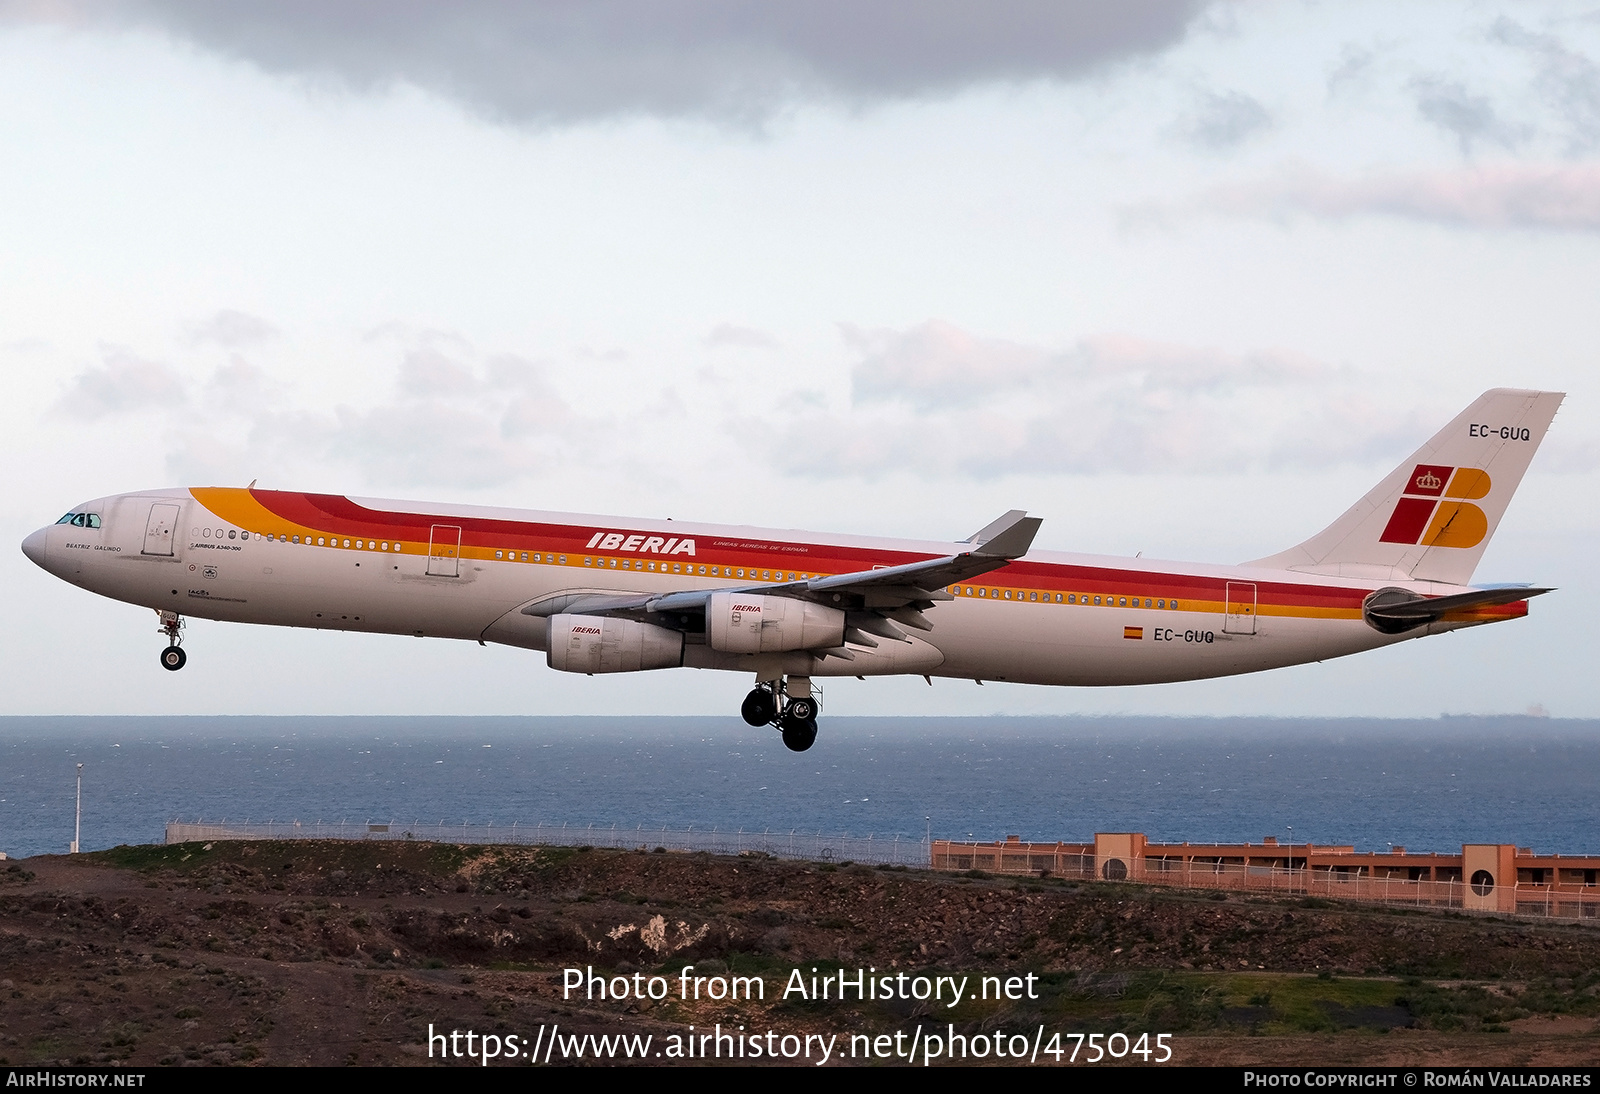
{"type": "Point", "coordinates": [1431, 518]}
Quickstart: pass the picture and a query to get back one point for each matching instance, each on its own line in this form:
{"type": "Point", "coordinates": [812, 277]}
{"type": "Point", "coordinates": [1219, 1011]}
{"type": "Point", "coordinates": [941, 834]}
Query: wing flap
{"type": "Point", "coordinates": [887, 592]}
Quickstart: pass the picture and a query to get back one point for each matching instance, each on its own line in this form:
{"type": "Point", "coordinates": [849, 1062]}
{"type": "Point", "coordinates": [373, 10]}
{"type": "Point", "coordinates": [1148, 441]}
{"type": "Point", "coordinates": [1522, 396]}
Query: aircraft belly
{"type": "Point", "coordinates": [1095, 646]}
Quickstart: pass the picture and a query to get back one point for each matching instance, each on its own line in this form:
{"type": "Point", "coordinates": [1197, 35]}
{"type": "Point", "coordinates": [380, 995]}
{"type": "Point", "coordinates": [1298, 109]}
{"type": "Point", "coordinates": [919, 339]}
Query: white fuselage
{"type": "Point", "coordinates": [298, 560]}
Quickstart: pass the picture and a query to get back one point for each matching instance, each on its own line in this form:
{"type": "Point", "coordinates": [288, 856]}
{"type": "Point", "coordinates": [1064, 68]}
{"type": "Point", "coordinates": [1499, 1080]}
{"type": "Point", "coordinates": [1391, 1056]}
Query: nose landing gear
{"type": "Point", "coordinates": [788, 705]}
{"type": "Point", "coordinates": [173, 658]}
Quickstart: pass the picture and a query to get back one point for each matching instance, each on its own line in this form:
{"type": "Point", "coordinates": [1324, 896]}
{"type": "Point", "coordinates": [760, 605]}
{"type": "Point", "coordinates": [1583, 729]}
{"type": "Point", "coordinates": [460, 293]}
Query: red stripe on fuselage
{"type": "Point", "coordinates": [338, 515]}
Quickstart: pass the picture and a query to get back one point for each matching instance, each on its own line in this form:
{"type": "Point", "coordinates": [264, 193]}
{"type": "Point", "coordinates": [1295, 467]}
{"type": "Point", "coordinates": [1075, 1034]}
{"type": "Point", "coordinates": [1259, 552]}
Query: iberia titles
{"type": "Point", "coordinates": [640, 544]}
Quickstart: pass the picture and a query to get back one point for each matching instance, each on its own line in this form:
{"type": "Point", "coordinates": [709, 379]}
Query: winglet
{"type": "Point", "coordinates": [995, 527]}
{"type": "Point", "coordinates": [1008, 537]}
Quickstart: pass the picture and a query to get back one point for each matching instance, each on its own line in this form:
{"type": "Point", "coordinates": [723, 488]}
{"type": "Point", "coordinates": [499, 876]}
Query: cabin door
{"type": "Point", "coordinates": [159, 529]}
{"type": "Point", "coordinates": [1240, 615]}
{"type": "Point", "coordinates": [444, 550]}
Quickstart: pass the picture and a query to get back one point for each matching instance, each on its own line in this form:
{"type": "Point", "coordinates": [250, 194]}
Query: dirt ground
{"type": "Point", "coordinates": [322, 952]}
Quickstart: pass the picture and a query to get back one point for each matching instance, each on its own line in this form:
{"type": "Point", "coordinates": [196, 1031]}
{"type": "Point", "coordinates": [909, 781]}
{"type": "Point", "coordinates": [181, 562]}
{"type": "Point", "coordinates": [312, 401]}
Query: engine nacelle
{"type": "Point", "coordinates": [588, 643]}
{"type": "Point", "coordinates": [746, 623]}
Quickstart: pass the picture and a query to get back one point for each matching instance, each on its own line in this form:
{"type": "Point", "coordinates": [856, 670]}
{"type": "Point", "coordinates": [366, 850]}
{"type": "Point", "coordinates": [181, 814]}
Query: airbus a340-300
{"type": "Point", "coordinates": [602, 595]}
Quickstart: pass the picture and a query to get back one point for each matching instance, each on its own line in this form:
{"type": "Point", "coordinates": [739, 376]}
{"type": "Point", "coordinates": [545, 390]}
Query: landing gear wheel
{"type": "Point", "coordinates": [173, 658]}
{"type": "Point", "coordinates": [759, 708]}
{"type": "Point", "coordinates": [801, 710]}
{"type": "Point", "coordinates": [799, 736]}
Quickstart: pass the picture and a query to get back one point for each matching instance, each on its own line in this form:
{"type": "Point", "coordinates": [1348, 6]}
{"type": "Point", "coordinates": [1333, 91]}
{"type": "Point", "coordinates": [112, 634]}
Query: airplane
{"type": "Point", "coordinates": [605, 595]}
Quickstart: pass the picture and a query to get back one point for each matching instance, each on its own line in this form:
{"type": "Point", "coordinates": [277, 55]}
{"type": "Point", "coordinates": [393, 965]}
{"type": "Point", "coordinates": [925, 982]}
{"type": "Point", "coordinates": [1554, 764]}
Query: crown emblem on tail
{"type": "Point", "coordinates": [1428, 481]}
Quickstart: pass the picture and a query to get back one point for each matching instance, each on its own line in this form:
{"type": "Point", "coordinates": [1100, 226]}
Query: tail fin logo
{"type": "Point", "coordinates": [1431, 522]}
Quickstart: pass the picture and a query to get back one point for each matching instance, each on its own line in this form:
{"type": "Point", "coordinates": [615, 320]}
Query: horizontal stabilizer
{"type": "Point", "coordinates": [1395, 611]}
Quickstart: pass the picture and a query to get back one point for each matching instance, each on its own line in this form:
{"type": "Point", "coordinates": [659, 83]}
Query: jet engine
{"type": "Point", "coordinates": [745, 623]}
{"type": "Point", "coordinates": [591, 643]}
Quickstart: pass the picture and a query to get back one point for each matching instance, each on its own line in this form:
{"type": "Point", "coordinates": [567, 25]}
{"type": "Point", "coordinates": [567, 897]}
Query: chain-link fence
{"type": "Point", "coordinates": [789, 844]}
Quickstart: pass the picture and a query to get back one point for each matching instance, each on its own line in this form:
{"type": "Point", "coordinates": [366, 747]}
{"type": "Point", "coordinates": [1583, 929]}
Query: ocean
{"type": "Point", "coordinates": [1428, 784]}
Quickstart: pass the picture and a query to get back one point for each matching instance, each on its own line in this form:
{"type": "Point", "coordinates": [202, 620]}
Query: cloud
{"type": "Point", "coordinates": [122, 384]}
{"type": "Point", "coordinates": [727, 335]}
{"type": "Point", "coordinates": [937, 365]}
{"type": "Point", "coordinates": [427, 372]}
{"type": "Point", "coordinates": [1223, 120]}
{"type": "Point", "coordinates": [449, 420]}
{"type": "Point", "coordinates": [1470, 118]}
{"type": "Point", "coordinates": [1355, 65]}
{"type": "Point", "coordinates": [1497, 196]}
{"type": "Point", "coordinates": [939, 401]}
{"type": "Point", "coordinates": [239, 387]}
{"type": "Point", "coordinates": [1568, 80]}
{"type": "Point", "coordinates": [555, 62]}
{"type": "Point", "coordinates": [231, 328]}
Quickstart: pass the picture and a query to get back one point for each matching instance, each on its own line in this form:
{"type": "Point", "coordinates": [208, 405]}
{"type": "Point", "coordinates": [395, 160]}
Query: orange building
{"type": "Point", "coordinates": [1487, 877]}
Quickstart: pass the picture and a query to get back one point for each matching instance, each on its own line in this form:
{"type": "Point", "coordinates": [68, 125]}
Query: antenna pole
{"type": "Point", "coordinates": [77, 820]}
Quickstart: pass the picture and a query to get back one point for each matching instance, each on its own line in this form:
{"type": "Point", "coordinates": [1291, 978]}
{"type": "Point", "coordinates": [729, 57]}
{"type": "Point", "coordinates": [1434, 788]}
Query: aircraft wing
{"type": "Point", "coordinates": [871, 598]}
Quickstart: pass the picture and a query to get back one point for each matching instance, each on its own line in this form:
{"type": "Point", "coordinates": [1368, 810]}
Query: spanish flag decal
{"type": "Point", "coordinates": [1133, 632]}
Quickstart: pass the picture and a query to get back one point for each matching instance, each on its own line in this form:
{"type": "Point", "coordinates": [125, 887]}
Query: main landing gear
{"type": "Point", "coordinates": [788, 705]}
{"type": "Point", "coordinates": [173, 658]}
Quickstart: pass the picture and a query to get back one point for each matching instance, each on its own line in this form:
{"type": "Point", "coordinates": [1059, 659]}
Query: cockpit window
{"type": "Point", "coordinates": [81, 520]}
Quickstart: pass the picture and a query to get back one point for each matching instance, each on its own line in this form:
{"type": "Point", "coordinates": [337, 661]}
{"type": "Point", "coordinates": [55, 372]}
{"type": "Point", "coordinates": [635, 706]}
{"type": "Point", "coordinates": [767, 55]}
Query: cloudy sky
{"type": "Point", "coordinates": [1181, 278]}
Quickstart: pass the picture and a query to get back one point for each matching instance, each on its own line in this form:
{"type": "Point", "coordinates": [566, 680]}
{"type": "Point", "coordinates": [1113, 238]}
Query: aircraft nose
{"type": "Point", "coordinates": [34, 547]}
